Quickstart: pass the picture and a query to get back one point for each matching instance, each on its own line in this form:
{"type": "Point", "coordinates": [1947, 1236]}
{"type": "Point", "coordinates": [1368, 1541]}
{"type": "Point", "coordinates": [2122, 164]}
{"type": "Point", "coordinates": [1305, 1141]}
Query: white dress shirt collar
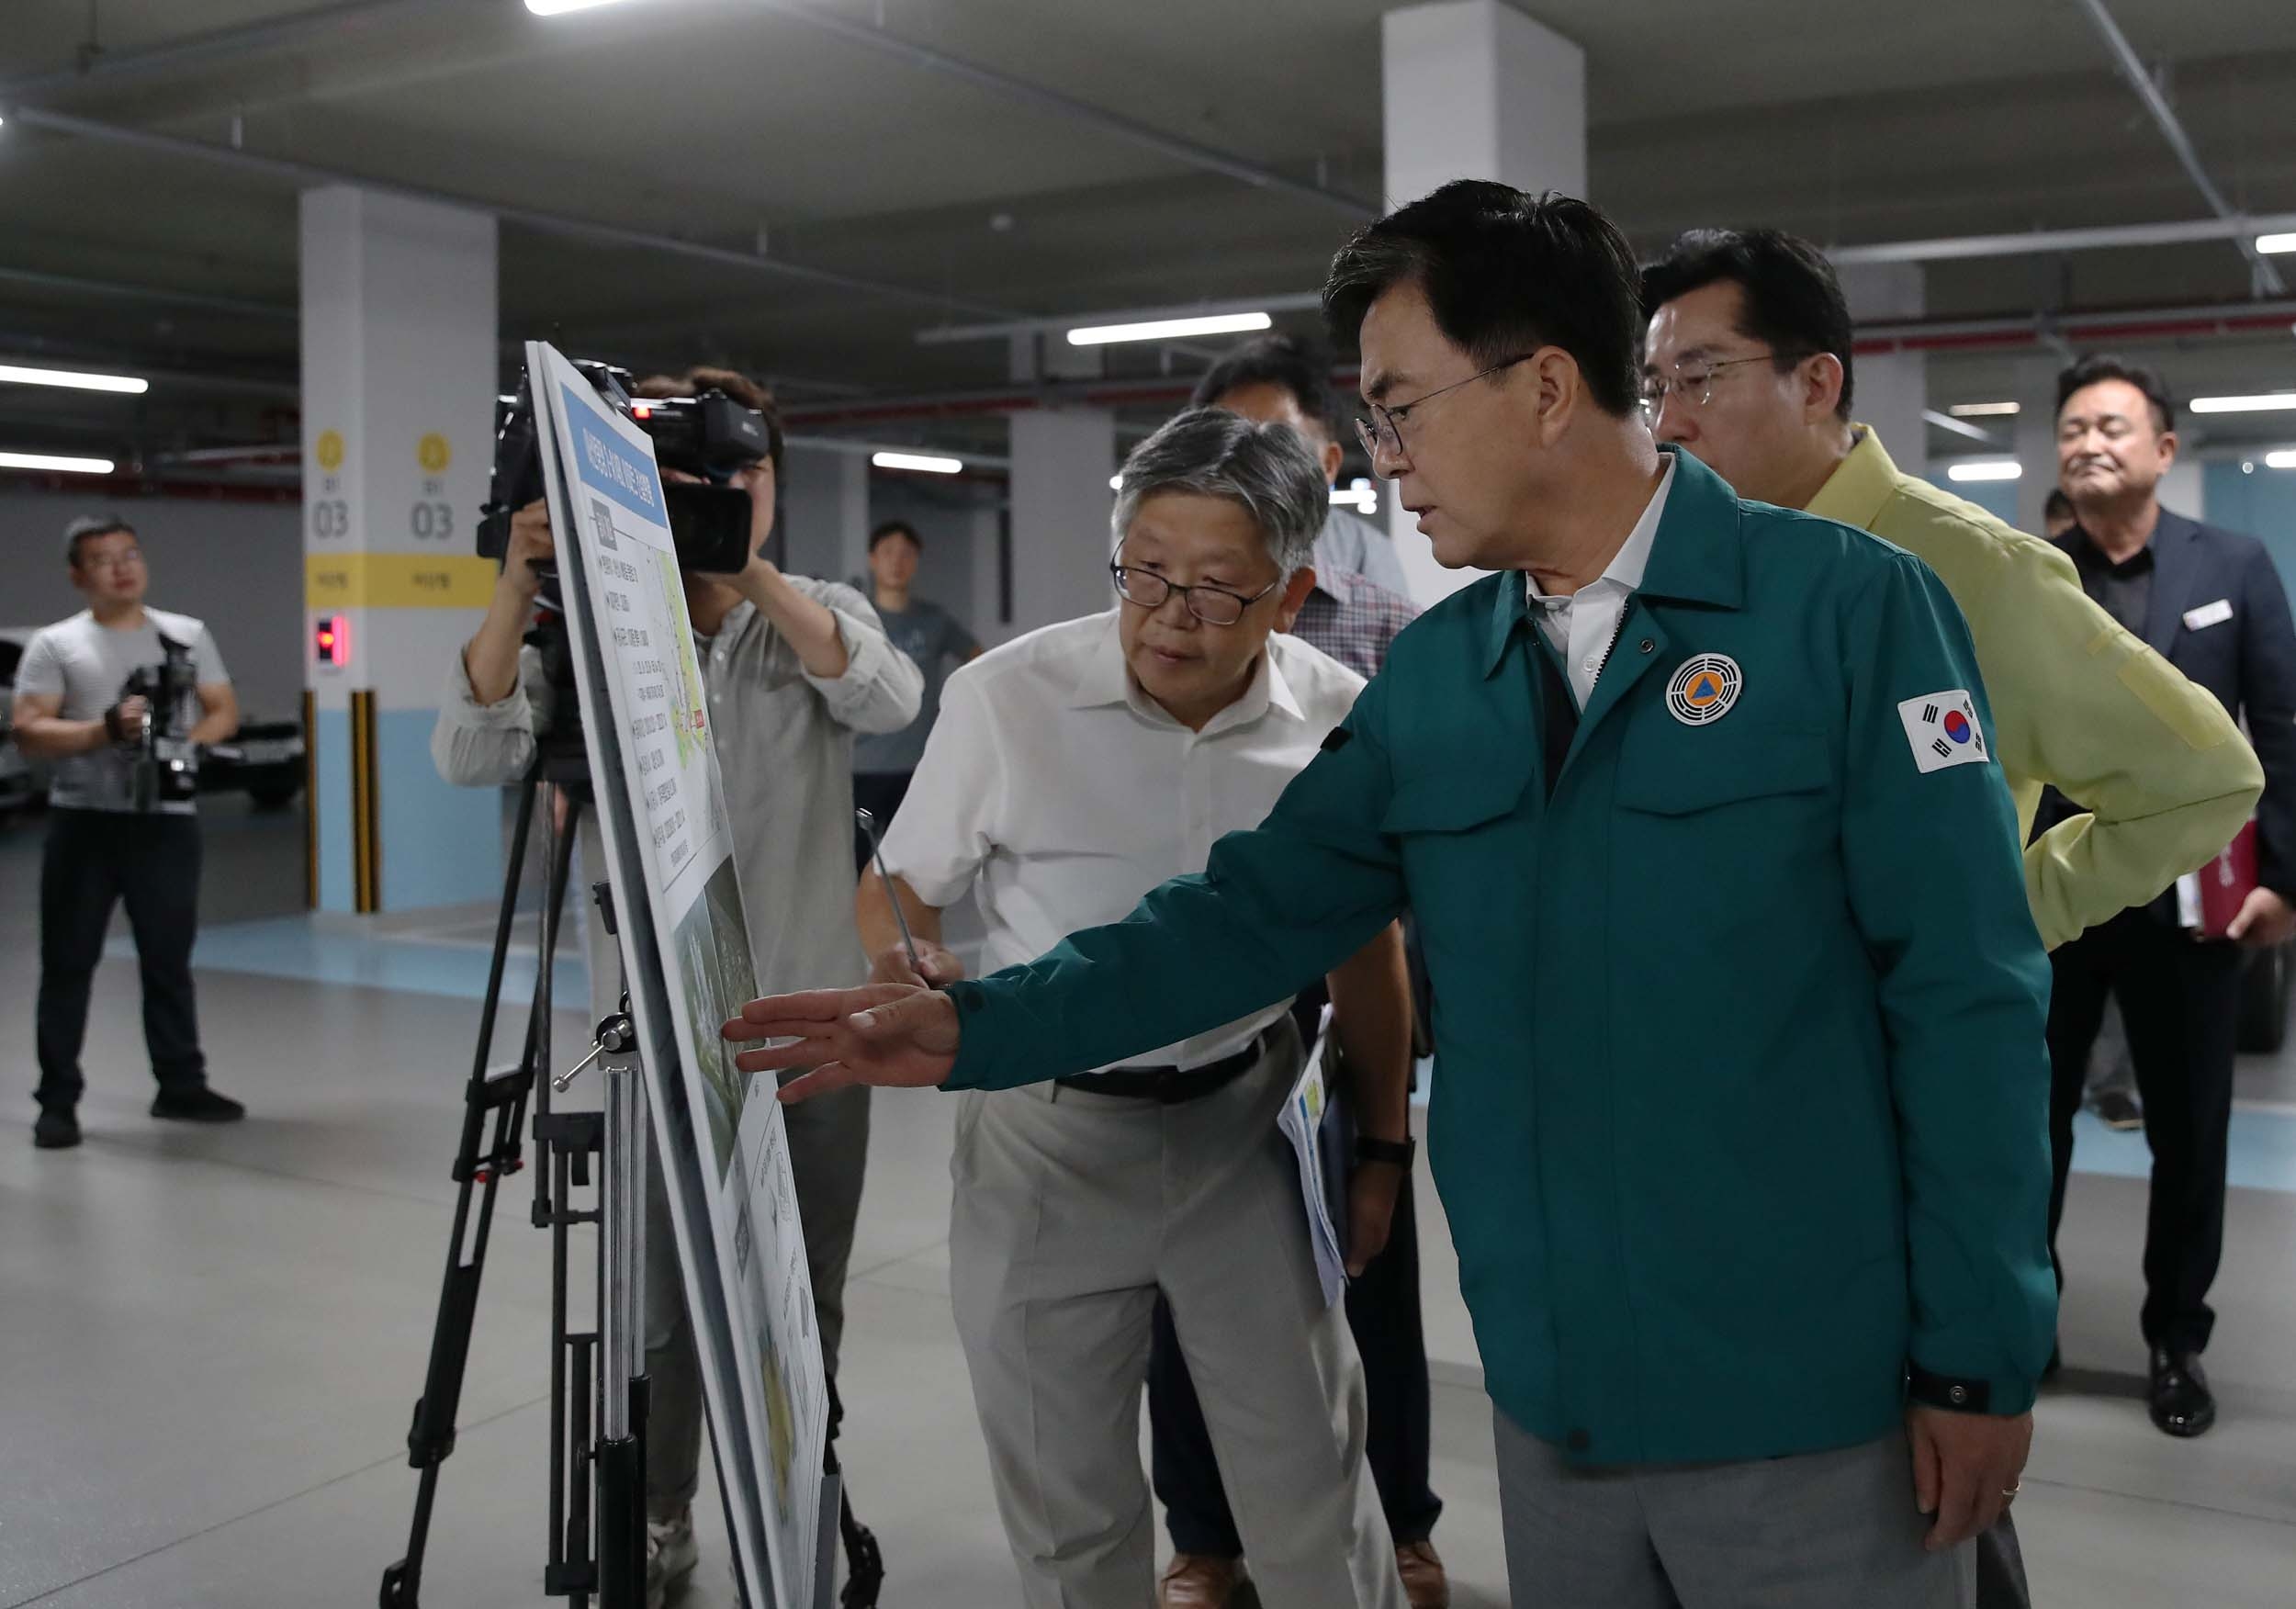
{"type": "Point", "coordinates": [1625, 570]}
{"type": "Point", "coordinates": [1582, 626]}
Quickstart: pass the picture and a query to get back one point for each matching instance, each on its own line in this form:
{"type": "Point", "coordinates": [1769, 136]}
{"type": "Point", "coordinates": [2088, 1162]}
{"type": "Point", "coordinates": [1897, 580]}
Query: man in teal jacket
{"type": "Point", "coordinates": [1740, 1102]}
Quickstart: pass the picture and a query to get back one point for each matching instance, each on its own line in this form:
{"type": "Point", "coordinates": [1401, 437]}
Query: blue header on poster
{"type": "Point", "coordinates": [606, 464]}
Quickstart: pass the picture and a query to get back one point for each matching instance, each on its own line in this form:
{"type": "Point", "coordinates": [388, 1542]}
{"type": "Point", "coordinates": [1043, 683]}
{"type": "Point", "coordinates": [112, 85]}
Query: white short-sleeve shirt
{"type": "Point", "coordinates": [85, 665]}
{"type": "Point", "coordinates": [1060, 793]}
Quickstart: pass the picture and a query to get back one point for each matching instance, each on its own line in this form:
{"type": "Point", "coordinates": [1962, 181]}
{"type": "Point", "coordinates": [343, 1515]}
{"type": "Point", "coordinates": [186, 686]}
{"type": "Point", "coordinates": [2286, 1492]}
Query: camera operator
{"type": "Point", "coordinates": [108, 839]}
{"type": "Point", "coordinates": [795, 669]}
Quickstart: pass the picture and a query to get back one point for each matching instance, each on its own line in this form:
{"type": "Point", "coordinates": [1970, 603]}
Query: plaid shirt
{"type": "Point", "coordinates": [1352, 619]}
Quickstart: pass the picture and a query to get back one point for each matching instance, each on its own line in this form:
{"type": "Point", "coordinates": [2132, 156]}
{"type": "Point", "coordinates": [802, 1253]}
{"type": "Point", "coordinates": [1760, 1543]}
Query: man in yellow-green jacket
{"type": "Point", "coordinates": [1746, 364]}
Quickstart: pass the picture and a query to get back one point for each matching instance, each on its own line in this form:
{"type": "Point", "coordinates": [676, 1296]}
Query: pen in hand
{"type": "Point", "coordinates": [877, 853]}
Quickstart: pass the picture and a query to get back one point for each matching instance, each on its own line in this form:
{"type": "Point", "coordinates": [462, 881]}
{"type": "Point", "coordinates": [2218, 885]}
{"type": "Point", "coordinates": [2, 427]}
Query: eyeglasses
{"type": "Point", "coordinates": [1382, 433]}
{"type": "Point", "coordinates": [1212, 606]}
{"type": "Point", "coordinates": [1693, 379]}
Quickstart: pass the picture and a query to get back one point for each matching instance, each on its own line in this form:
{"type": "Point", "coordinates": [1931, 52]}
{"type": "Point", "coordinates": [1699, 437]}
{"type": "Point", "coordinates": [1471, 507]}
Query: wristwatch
{"type": "Point", "coordinates": [1399, 1151]}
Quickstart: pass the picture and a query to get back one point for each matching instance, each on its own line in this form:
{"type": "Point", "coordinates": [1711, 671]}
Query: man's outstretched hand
{"type": "Point", "coordinates": [893, 1034]}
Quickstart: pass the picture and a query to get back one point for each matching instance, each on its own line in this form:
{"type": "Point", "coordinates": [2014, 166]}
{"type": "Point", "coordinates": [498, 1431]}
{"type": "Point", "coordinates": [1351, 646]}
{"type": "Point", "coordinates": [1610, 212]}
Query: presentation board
{"type": "Point", "coordinates": [684, 937]}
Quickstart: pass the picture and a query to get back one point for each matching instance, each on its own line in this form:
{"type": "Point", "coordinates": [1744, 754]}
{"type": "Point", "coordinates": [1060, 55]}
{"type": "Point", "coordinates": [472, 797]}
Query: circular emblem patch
{"type": "Point", "coordinates": [1704, 689]}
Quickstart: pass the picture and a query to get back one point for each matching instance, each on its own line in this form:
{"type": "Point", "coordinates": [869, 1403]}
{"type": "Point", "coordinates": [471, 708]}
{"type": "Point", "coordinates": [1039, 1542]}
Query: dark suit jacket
{"type": "Point", "coordinates": [2247, 660]}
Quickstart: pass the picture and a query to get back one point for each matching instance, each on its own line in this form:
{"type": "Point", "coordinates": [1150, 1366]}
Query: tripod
{"type": "Point", "coordinates": [604, 1475]}
{"type": "Point", "coordinates": [612, 1564]}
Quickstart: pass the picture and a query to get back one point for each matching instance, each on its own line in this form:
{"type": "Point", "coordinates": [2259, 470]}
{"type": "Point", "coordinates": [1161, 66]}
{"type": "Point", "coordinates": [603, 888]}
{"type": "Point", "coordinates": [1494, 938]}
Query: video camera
{"type": "Point", "coordinates": [166, 762]}
{"type": "Point", "coordinates": [711, 435]}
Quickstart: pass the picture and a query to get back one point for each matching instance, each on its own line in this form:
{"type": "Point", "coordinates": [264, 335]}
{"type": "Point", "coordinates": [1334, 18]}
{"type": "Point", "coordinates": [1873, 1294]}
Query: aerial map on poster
{"type": "Point", "coordinates": [723, 1147]}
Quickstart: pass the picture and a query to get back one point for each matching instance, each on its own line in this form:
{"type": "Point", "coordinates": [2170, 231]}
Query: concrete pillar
{"type": "Point", "coordinates": [2034, 430]}
{"type": "Point", "coordinates": [1473, 89]}
{"type": "Point", "coordinates": [399, 361]}
{"type": "Point", "coordinates": [824, 517]}
{"type": "Point", "coordinates": [988, 533]}
{"type": "Point", "coordinates": [1061, 459]}
{"type": "Point", "coordinates": [1891, 390]}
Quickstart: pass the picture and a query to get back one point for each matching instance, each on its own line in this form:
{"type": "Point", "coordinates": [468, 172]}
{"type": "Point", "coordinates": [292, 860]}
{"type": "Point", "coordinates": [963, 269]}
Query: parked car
{"type": "Point", "coordinates": [18, 785]}
{"type": "Point", "coordinates": [266, 761]}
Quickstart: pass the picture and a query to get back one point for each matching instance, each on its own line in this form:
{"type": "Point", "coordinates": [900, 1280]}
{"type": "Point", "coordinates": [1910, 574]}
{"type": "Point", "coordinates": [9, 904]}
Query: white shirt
{"type": "Point", "coordinates": [1060, 793]}
{"type": "Point", "coordinates": [1582, 626]}
{"type": "Point", "coordinates": [85, 666]}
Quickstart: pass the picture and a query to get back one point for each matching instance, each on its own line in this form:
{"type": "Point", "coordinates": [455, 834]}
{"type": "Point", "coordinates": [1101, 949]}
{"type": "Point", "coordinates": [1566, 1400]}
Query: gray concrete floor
{"type": "Point", "coordinates": [210, 1341]}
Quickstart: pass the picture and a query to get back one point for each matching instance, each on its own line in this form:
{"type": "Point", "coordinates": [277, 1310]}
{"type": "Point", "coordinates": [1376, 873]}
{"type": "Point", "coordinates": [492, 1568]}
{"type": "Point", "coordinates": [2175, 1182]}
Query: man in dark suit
{"type": "Point", "coordinates": [2212, 602]}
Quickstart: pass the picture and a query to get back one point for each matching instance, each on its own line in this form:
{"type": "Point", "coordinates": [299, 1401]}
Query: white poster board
{"type": "Point", "coordinates": [722, 1145]}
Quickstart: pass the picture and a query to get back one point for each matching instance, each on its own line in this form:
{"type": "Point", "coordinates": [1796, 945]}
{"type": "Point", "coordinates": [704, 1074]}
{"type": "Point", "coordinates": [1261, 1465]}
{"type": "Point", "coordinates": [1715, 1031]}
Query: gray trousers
{"type": "Point", "coordinates": [1817, 1531]}
{"type": "Point", "coordinates": [1072, 1210]}
{"type": "Point", "coordinates": [828, 1148]}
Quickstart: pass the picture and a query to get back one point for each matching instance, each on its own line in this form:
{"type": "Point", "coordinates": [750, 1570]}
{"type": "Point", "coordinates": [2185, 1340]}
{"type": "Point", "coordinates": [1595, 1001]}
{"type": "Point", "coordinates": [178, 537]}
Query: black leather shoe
{"type": "Point", "coordinates": [200, 1105]}
{"type": "Point", "coordinates": [57, 1130]}
{"type": "Point", "coordinates": [2181, 1403]}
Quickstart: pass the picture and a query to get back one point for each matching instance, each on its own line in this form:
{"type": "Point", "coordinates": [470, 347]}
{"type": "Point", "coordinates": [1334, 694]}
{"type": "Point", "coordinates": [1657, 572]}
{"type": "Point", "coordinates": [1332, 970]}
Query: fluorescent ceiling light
{"type": "Point", "coordinates": [1984, 409]}
{"type": "Point", "coordinates": [50, 461]}
{"type": "Point", "coordinates": [2283, 459]}
{"type": "Point", "coordinates": [1359, 494]}
{"type": "Point", "coordinates": [1115, 482]}
{"type": "Point", "coordinates": [2273, 245]}
{"type": "Point", "coordinates": [559, 7]}
{"type": "Point", "coordinates": [18, 374]}
{"type": "Point", "coordinates": [1161, 329]}
{"type": "Point", "coordinates": [1970, 470]}
{"type": "Point", "coordinates": [920, 462]}
{"type": "Point", "coordinates": [2268, 402]}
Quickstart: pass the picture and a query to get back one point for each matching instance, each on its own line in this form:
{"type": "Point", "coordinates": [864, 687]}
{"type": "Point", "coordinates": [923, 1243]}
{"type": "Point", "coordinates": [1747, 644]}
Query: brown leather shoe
{"type": "Point", "coordinates": [1425, 1586]}
{"type": "Point", "coordinates": [1198, 1580]}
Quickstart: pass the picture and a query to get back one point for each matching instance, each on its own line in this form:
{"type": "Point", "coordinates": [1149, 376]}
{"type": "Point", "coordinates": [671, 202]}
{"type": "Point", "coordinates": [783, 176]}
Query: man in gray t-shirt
{"type": "Point", "coordinates": [929, 634]}
{"type": "Point", "coordinates": [114, 837]}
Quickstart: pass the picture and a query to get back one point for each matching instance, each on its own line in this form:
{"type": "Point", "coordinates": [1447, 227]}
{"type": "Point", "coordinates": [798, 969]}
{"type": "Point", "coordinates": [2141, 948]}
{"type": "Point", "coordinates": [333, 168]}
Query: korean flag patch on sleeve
{"type": "Point", "coordinates": [1943, 730]}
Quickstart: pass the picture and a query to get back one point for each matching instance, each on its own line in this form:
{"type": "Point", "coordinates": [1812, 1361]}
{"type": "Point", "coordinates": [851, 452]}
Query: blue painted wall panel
{"type": "Point", "coordinates": [441, 845]}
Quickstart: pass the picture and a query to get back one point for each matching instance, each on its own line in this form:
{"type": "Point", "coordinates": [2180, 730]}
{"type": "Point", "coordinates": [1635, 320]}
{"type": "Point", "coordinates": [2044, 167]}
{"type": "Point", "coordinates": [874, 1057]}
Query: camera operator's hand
{"type": "Point", "coordinates": [124, 720]}
{"type": "Point", "coordinates": [530, 546]}
{"type": "Point", "coordinates": [490, 658]}
{"type": "Point", "coordinates": [941, 966]}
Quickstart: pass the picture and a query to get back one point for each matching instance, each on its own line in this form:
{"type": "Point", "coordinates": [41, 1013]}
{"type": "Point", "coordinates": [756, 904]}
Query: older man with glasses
{"type": "Point", "coordinates": [1071, 772]}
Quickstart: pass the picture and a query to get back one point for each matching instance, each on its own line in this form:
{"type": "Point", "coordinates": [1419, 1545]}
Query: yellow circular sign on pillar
{"type": "Point", "coordinates": [433, 453]}
{"type": "Point", "coordinates": [330, 450]}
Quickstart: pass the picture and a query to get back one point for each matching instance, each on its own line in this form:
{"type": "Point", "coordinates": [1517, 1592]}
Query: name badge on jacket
{"type": "Point", "coordinates": [2208, 614]}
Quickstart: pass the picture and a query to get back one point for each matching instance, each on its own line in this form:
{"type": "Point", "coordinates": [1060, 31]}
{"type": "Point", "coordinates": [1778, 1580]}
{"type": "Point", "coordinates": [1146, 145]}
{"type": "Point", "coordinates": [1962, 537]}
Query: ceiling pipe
{"type": "Point", "coordinates": [1928, 335]}
{"type": "Point", "coordinates": [1188, 151]}
{"type": "Point", "coordinates": [1960, 427]}
{"type": "Point", "coordinates": [96, 63]}
{"type": "Point", "coordinates": [2266, 280]}
{"type": "Point", "coordinates": [303, 175]}
{"type": "Point", "coordinates": [1953, 248]}
{"type": "Point", "coordinates": [2091, 330]}
{"type": "Point", "coordinates": [77, 285]}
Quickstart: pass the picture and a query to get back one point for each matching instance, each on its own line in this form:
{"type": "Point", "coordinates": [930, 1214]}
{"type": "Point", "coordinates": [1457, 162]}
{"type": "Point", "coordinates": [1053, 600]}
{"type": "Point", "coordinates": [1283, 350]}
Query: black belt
{"type": "Point", "coordinates": [1172, 1085]}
